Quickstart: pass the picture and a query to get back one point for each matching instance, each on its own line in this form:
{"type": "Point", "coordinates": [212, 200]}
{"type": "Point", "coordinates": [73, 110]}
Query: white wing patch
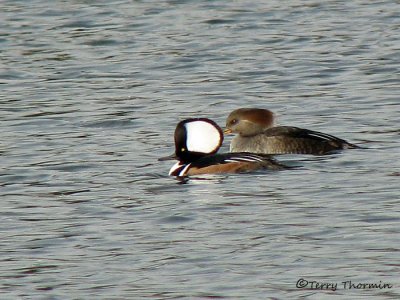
{"type": "Point", "coordinates": [202, 137]}
{"type": "Point", "coordinates": [321, 135]}
{"type": "Point", "coordinates": [245, 158]}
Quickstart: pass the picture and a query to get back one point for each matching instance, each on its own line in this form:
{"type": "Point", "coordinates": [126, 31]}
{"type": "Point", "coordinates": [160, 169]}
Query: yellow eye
{"type": "Point", "coordinates": [183, 149]}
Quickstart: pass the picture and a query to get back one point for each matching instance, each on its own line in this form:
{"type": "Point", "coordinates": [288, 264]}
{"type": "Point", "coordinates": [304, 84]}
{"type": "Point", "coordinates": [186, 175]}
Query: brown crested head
{"type": "Point", "coordinates": [249, 121]}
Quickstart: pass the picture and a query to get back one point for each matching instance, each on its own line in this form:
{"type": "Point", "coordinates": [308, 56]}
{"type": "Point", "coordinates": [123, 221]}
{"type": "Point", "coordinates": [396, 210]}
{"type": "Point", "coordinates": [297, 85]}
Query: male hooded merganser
{"type": "Point", "coordinates": [257, 134]}
{"type": "Point", "coordinates": [196, 144]}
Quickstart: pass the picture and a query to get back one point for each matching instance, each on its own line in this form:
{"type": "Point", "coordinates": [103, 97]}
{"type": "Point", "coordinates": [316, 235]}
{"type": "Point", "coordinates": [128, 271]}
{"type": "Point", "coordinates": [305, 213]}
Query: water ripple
{"type": "Point", "coordinates": [91, 93]}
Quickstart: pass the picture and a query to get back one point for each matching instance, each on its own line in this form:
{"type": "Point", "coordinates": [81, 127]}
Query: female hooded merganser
{"type": "Point", "coordinates": [257, 134]}
{"type": "Point", "coordinates": [196, 144]}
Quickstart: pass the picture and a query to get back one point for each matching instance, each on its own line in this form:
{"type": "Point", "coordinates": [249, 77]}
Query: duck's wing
{"type": "Point", "coordinates": [238, 162]}
{"type": "Point", "coordinates": [319, 141]}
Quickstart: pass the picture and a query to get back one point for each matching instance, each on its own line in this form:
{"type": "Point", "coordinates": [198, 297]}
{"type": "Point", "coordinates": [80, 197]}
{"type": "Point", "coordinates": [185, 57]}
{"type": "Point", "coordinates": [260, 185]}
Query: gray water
{"type": "Point", "coordinates": [91, 92]}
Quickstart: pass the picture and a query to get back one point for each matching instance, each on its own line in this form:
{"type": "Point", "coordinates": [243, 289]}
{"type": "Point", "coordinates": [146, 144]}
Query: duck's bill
{"type": "Point", "coordinates": [169, 157]}
{"type": "Point", "coordinates": [227, 131]}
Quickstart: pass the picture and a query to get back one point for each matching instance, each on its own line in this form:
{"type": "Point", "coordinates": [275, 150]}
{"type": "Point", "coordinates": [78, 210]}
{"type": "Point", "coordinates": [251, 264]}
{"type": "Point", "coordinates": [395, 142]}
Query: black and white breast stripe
{"type": "Point", "coordinates": [179, 169]}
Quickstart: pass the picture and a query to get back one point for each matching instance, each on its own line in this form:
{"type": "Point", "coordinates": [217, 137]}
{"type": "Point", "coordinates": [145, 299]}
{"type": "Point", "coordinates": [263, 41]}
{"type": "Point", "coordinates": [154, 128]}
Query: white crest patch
{"type": "Point", "coordinates": [202, 136]}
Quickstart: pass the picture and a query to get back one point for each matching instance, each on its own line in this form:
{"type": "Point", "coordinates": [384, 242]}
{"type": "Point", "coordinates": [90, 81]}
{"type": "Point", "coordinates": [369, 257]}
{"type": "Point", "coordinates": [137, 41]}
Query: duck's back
{"type": "Point", "coordinates": [289, 140]}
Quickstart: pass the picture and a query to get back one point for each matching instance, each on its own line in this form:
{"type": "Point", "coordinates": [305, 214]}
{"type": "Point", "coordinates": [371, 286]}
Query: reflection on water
{"type": "Point", "coordinates": [90, 96]}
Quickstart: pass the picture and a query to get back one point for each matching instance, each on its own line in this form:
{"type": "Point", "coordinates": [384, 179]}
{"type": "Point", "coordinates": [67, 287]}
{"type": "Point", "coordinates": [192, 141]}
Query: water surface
{"type": "Point", "coordinates": [90, 95]}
